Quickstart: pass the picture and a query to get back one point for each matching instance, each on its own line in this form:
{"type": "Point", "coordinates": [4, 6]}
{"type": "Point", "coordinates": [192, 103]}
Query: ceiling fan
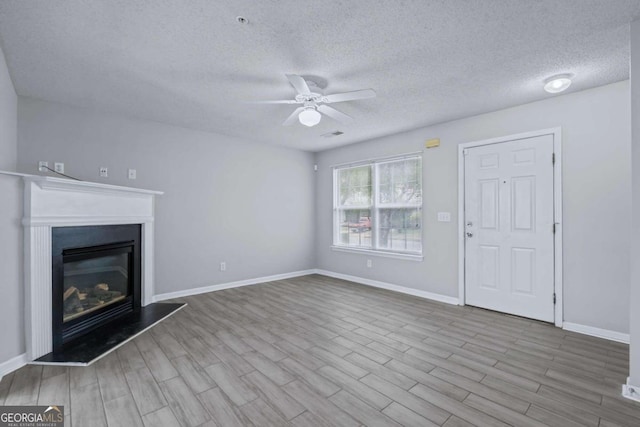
{"type": "Point", "coordinates": [313, 102]}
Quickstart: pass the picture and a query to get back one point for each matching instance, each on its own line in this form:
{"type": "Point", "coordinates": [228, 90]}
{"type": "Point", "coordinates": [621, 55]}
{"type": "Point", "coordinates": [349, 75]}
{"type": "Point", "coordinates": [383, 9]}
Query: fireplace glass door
{"type": "Point", "coordinates": [95, 283]}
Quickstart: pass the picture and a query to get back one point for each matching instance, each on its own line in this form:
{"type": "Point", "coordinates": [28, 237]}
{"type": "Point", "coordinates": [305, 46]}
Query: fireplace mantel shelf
{"type": "Point", "coordinates": [50, 182]}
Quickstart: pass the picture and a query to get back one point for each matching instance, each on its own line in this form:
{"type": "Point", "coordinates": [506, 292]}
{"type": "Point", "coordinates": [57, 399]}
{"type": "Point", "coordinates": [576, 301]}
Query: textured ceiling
{"type": "Point", "coordinates": [189, 63]}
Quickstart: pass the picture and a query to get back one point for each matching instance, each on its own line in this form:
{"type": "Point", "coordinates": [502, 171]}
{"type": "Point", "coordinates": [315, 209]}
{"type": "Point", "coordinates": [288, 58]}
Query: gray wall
{"type": "Point", "coordinates": [11, 299]}
{"type": "Point", "coordinates": [248, 204]}
{"type": "Point", "coordinates": [635, 248]}
{"type": "Point", "coordinates": [596, 185]}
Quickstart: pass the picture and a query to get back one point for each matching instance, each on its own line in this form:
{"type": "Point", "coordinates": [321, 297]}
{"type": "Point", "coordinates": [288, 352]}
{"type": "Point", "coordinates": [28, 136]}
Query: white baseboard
{"type": "Point", "coordinates": [631, 391]}
{"type": "Point", "coordinates": [12, 364]}
{"type": "Point", "coordinates": [384, 285]}
{"type": "Point", "coordinates": [596, 332]}
{"type": "Point", "coordinates": [239, 283]}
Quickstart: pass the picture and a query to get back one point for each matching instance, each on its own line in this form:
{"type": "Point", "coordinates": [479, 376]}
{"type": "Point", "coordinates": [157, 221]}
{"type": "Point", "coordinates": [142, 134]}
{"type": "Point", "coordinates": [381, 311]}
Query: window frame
{"type": "Point", "coordinates": [374, 207]}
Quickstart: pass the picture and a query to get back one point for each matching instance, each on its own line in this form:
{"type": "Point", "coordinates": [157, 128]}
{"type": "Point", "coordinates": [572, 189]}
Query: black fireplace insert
{"type": "Point", "coordinates": [96, 278]}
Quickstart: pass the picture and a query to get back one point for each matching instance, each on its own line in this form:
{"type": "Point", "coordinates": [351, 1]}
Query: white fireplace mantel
{"type": "Point", "coordinates": [55, 202]}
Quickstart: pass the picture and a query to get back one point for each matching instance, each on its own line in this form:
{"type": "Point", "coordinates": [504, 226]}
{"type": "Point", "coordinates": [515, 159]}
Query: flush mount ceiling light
{"type": "Point", "coordinates": [309, 117]}
{"type": "Point", "coordinates": [557, 84]}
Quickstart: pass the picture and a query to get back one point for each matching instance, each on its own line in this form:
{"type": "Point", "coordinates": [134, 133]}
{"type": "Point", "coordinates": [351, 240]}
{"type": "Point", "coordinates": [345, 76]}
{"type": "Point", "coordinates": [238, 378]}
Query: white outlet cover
{"type": "Point", "coordinates": [132, 174]}
{"type": "Point", "coordinates": [104, 172]}
{"type": "Point", "coordinates": [58, 167]}
{"type": "Point", "coordinates": [444, 216]}
{"type": "Point", "coordinates": [41, 164]}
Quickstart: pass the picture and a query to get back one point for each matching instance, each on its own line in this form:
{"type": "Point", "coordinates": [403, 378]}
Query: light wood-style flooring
{"type": "Point", "coordinates": [317, 351]}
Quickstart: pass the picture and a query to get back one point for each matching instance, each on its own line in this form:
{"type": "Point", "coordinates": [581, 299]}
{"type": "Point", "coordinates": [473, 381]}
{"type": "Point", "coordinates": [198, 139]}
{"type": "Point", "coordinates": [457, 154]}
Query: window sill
{"type": "Point", "coordinates": [371, 252]}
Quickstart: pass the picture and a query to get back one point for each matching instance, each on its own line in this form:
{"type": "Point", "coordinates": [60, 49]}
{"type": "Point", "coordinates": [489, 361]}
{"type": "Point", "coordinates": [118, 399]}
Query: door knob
{"type": "Point", "coordinates": [469, 234]}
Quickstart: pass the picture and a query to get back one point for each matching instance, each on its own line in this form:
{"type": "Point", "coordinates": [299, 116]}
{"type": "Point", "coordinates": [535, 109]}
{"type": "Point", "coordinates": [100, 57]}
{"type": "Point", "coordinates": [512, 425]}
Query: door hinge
{"type": "Point", "coordinates": [553, 158]}
{"type": "Point", "coordinates": [554, 297]}
{"type": "Point", "coordinates": [554, 228]}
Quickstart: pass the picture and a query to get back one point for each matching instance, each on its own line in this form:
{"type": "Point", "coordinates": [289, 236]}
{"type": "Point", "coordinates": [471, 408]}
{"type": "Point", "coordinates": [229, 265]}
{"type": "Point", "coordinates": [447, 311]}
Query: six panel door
{"type": "Point", "coordinates": [509, 242]}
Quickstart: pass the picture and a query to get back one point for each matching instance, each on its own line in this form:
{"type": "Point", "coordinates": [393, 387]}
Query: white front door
{"type": "Point", "coordinates": [509, 226]}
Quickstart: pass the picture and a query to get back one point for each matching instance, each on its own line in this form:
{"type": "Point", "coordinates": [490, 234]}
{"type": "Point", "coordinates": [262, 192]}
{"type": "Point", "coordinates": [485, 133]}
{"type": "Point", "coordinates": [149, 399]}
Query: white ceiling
{"type": "Point", "coordinates": [189, 63]}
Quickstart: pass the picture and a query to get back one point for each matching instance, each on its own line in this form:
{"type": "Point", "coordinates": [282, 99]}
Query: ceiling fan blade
{"type": "Point", "coordinates": [293, 117]}
{"type": "Point", "coordinates": [299, 84]}
{"type": "Point", "coordinates": [350, 96]}
{"type": "Point", "coordinates": [282, 101]}
{"type": "Point", "coordinates": [335, 114]}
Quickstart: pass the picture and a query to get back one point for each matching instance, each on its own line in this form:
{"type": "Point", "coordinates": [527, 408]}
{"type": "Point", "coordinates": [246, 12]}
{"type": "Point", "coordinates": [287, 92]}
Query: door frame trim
{"type": "Point", "coordinates": [557, 210]}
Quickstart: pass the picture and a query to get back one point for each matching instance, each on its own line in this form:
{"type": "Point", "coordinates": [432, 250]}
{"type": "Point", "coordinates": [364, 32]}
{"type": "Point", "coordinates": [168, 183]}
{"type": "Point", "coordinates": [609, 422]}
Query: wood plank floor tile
{"type": "Point", "coordinates": [318, 405]}
{"type": "Point", "coordinates": [25, 386]}
{"type": "Point", "coordinates": [479, 389]}
{"type": "Point", "coordinates": [274, 395]}
{"type": "Point", "coordinates": [264, 348]}
{"type": "Point", "coordinates": [232, 360]}
{"type": "Point", "coordinates": [307, 419]}
{"type": "Point", "coordinates": [261, 414]}
{"type": "Point", "coordinates": [500, 412]}
{"type": "Point", "coordinates": [339, 363]}
{"type": "Point", "coordinates": [221, 409]}
{"type": "Point", "coordinates": [429, 380]}
{"type": "Point", "coordinates": [158, 362]}
{"type": "Point", "coordinates": [122, 412]}
{"type": "Point", "coordinates": [537, 399]}
{"type": "Point", "coordinates": [87, 409]}
{"type": "Point", "coordinates": [192, 374]}
{"type": "Point", "coordinates": [405, 398]}
{"type": "Point", "coordinates": [130, 357]}
{"type": "Point", "coordinates": [5, 386]}
{"type": "Point", "coordinates": [56, 391]}
{"type": "Point", "coordinates": [550, 419]}
{"type": "Point", "coordinates": [113, 383]}
{"type": "Point", "coordinates": [270, 369]}
{"type": "Point", "coordinates": [162, 417]}
{"type": "Point", "coordinates": [455, 407]}
{"type": "Point", "coordinates": [236, 389]}
{"type": "Point", "coordinates": [184, 404]}
{"type": "Point", "coordinates": [362, 412]}
{"type": "Point", "coordinates": [363, 391]}
{"type": "Point", "coordinates": [146, 392]}
{"type": "Point", "coordinates": [406, 416]}
{"type": "Point", "coordinates": [317, 382]}
{"type": "Point", "coordinates": [382, 371]}
{"type": "Point", "coordinates": [200, 352]}
{"type": "Point", "coordinates": [300, 355]}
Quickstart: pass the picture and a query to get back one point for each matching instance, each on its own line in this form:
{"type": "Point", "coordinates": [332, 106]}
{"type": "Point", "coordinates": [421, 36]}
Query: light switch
{"type": "Point", "coordinates": [444, 216]}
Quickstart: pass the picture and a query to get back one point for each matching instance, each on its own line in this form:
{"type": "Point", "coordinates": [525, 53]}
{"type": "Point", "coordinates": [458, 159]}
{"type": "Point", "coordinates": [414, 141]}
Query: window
{"type": "Point", "coordinates": [378, 205]}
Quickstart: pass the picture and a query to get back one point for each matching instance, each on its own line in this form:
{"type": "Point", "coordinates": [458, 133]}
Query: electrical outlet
{"type": "Point", "coordinates": [104, 172]}
{"type": "Point", "coordinates": [223, 266]}
{"type": "Point", "coordinates": [444, 216]}
{"type": "Point", "coordinates": [41, 164]}
{"type": "Point", "coordinates": [369, 263]}
{"type": "Point", "coordinates": [132, 174]}
{"type": "Point", "coordinates": [58, 167]}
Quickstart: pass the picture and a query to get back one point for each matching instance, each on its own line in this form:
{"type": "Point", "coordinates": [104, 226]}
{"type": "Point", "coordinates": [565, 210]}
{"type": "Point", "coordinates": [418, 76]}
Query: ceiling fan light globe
{"type": "Point", "coordinates": [309, 117]}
